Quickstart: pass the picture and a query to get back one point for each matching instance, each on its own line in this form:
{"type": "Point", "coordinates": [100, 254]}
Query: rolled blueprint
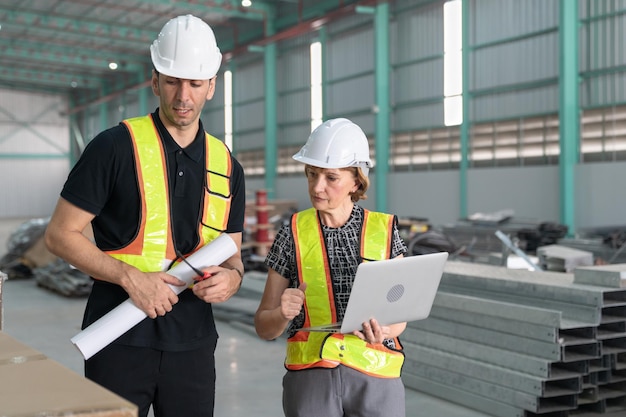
{"type": "Point", "coordinates": [122, 318]}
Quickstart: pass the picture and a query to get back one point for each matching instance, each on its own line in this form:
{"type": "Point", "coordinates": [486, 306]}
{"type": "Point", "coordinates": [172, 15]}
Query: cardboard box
{"type": "Point", "coordinates": [33, 385]}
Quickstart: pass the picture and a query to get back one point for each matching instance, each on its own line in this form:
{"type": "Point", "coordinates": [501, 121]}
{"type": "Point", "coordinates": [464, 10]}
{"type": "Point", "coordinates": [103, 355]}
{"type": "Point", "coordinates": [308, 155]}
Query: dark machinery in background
{"type": "Point", "coordinates": [474, 239]}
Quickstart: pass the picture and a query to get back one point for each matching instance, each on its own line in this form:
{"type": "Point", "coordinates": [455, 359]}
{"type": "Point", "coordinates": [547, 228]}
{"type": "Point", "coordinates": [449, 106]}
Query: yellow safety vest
{"type": "Point", "coordinates": [326, 350]}
{"type": "Point", "coordinates": [152, 247]}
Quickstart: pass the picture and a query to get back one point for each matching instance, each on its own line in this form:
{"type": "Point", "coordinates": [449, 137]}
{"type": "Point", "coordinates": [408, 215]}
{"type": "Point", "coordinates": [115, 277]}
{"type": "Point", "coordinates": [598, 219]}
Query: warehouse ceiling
{"type": "Point", "coordinates": [66, 46]}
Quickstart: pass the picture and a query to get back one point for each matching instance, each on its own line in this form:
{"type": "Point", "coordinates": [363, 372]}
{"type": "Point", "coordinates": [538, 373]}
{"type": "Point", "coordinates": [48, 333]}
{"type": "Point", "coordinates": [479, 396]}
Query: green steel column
{"type": "Point", "coordinates": [569, 118]}
{"type": "Point", "coordinates": [381, 142]}
{"type": "Point", "coordinates": [465, 126]}
{"type": "Point", "coordinates": [271, 120]}
{"type": "Point", "coordinates": [143, 95]}
{"type": "Point", "coordinates": [103, 112]}
{"type": "Point", "coordinates": [74, 148]}
{"type": "Point", "coordinates": [232, 68]}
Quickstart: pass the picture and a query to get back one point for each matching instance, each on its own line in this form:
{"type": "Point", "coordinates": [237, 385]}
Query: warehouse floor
{"type": "Point", "coordinates": [249, 369]}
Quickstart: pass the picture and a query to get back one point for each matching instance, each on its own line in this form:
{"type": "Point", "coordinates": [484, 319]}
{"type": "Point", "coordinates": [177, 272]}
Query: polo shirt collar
{"type": "Point", "coordinates": [195, 150]}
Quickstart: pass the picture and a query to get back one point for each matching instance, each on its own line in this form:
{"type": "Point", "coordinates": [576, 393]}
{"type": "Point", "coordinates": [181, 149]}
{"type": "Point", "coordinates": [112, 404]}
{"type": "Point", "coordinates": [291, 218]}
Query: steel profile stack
{"type": "Point", "coordinates": [523, 343]}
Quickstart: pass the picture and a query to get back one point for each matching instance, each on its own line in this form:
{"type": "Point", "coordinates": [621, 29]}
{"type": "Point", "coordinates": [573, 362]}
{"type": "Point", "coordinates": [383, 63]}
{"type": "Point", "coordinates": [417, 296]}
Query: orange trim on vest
{"type": "Point", "coordinates": [310, 350]}
{"type": "Point", "coordinates": [135, 246]}
{"type": "Point", "coordinates": [153, 246]}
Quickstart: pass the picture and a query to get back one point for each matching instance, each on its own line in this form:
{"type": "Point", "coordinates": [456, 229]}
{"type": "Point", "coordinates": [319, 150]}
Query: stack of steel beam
{"type": "Point", "coordinates": [518, 343]}
{"type": "Point", "coordinates": [562, 258]}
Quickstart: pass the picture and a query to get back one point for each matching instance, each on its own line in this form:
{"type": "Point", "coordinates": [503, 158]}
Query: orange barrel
{"type": "Point", "coordinates": [262, 217]}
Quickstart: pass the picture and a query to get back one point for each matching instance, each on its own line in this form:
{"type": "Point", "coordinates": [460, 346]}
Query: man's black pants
{"type": "Point", "coordinates": [174, 383]}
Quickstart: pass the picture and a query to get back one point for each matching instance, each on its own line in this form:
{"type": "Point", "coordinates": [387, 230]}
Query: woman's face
{"type": "Point", "coordinates": [330, 189]}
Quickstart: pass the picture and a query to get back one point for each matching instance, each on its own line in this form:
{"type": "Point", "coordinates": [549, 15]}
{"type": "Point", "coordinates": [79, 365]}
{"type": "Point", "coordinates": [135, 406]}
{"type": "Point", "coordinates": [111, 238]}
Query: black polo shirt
{"type": "Point", "coordinates": [104, 183]}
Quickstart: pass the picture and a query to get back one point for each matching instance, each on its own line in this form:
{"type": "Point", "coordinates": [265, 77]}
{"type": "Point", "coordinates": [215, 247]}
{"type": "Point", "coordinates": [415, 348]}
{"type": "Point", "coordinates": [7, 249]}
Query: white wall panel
{"type": "Point", "coordinates": [34, 147]}
{"type": "Point", "coordinates": [31, 187]}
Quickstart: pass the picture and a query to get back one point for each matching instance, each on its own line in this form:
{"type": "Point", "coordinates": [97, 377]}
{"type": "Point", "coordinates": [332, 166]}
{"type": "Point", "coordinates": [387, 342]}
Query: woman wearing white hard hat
{"type": "Point", "coordinates": [312, 264]}
{"type": "Point", "coordinates": [154, 187]}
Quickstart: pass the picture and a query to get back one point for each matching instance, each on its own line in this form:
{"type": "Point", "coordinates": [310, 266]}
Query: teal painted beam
{"type": "Point", "coordinates": [76, 139]}
{"type": "Point", "coordinates": [142, 94]}
{"type": "Point", "coordinates": [87, 27]}
{"type": "Point", "coordinates": [270, 56]}
{"type": "Point", "coordinates": [569, 107]}
{"type": "Point", "coordinates": [44, 46]}
{"type": "Point", "coordinates": [103, 110]}
{"type": "Point", "coordinates": [465, 126]}
{"type": "Point", "coordinates": [225, 8]}
{"type": "Point", "coordinates": [232, 67]}
{"type": "Point", "coordinates": [52, 79]}
{"type": "Point", "coordinates": [383, 116]}
{"type": "Point", "coordinates": [271, 120]}
{"type": "Point", "coordinates": [518, 38]}
{"type": "Point", "coordinates": [32, 156]}
{"type": "Point", "coordinates": [78, 27]}
{"type": "Point", "coordinates": [48, 58]}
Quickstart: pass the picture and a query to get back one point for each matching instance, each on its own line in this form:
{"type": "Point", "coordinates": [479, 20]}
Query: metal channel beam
{"type": "Point", "coordinates": [614, 346]}
{"type": "Point", "coordinates": [504, 377]}
{"type": "Point", "coordinates": [611, 330]}
{"type": "Point", "coordinates": [603, 275]}
{"type": "Point", "coordinates": [495, 392]}
{"type": "Point", "coordinates": [613, 314]}
{"type": "Point", "coordinates": [582, 351]}
{"type": "Point", "coordinates": [542, 368]}
{"type": "Point", "coordinates": [469, 304]}
{"type": "Point", "coordinates": [568, 293]}
{"type": "Point", "coordinates": [550, 285]}
{"type": "Point", "coordinates": [551, 351]}
{"type": "Point", "coordinates": [591, 315]}
{"type": "Point", "coordinates": [499, 324]}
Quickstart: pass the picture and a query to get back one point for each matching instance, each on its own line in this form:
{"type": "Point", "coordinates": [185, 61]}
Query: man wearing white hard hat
{"type": "Point", "coordinates": [312, 264]}
{"type": "Point", "coordinates": [155, 188]}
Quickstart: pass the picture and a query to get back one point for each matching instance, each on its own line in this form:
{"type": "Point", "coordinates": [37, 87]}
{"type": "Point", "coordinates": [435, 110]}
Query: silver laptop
{"type": "Point", "coordinates": [391, 291]}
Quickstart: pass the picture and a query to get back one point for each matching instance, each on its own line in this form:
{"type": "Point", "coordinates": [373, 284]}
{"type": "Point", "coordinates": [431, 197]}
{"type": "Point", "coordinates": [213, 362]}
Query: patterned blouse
{"type": "Point", "coordinates": [343, 247]}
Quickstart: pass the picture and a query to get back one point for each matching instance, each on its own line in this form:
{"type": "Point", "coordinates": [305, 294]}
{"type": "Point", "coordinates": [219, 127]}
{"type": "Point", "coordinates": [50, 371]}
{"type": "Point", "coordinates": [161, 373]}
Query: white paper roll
{"type": "Point", "coordinates": [122, 318]}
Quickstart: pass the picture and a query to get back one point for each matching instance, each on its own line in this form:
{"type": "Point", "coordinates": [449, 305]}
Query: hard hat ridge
{"type": "Point", "coordinates": [336, 143]}
{"type": "Point", "coordinates": [186, 48]}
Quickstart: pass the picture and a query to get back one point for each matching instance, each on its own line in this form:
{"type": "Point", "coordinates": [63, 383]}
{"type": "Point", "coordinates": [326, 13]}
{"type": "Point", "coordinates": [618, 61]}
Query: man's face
{"type": "Point", "coordinates": [181, 101]}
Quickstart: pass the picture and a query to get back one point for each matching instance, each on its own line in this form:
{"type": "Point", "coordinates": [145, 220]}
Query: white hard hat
{"type": "Point", "coordinates": [186, 48]}
{"type": "Point", "coordinates": [336, 143]}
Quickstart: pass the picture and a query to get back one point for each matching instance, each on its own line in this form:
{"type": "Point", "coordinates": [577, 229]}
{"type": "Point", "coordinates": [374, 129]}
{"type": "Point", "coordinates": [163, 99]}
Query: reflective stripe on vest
{"type": "Point", "coordinates": [317, 349]}
{"type": "Point", "coordinates": [152, 247]}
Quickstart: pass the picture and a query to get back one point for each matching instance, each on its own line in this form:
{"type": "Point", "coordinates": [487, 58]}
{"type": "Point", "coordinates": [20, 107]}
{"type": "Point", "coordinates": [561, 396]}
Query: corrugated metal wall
{"type": "Point", "coordinates": [602, 52]}
{"type": "Point", "coordinates": [248, 104]}
{"type": "Point", "coordinates": [294, 87]}
{"type": "Point", "coordinates": [417, 58]}
{"type": "Point", "coordinates": [514, 58]}
{"type": "Point", "coordinates": [349, 71]}
{"type": "Point", "coordinates": [514, 70]}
